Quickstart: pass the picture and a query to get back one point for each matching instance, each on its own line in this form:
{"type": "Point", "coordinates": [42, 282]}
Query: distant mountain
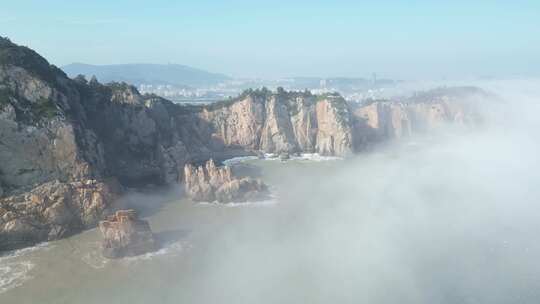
{"type": "Point", "coordinates": [136, 74]}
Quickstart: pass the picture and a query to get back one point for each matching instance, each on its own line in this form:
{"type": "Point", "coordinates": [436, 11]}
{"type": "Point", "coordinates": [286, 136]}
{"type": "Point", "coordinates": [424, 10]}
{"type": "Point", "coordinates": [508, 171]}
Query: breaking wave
{"type": "Point", "coordinates": [13, 271]}
{"type": "Point", "coordinates": [170, 249]}
{"type": "Point", "coordinates": [268, 202]}
{"type": "Point", "coordinates": [316, 157]}
{"type": "Point", "coordinates": [94, 258]}
{"type": "Point", "coordinates": [240, 159]}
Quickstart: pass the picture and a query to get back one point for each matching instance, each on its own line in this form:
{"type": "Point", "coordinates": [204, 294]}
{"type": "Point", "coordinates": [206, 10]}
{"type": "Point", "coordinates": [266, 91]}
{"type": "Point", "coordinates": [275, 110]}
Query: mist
{"type": "Point", "coordinates": [446, 217]}
{"type": "Point", "coordinates": [449, 216]}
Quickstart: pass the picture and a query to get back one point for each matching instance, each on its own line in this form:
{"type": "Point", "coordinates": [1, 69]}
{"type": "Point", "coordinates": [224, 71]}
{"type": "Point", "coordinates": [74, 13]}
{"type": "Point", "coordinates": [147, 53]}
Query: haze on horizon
{"type": "Point", "coordinates": [270, 39]}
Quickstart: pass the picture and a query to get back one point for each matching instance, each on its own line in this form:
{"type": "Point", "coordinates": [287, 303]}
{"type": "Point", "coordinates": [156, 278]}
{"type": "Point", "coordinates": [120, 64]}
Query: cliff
{"type": "Point", "coordinates": [282, 122]}
{"type": "Point", "coordinates": [386, 120]}
{"type": "Point", "coordinates": [62, 133]}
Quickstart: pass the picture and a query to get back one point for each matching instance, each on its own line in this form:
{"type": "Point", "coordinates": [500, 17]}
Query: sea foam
{"type": "Point", "coordinates": [170, 249]}
{"type": "Point", "coordinates": [316, 157]}
{"type": "Point", "coordinates": [14, 271]}
{"type": "Point", "coordinates": [268, 202]}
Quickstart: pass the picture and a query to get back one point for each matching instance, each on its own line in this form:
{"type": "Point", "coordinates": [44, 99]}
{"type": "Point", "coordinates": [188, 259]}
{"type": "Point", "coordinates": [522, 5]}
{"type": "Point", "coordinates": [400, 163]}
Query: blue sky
{"type": "Point", "coordinates": [399, 39]}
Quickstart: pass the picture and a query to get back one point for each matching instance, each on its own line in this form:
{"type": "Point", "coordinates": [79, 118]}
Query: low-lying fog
{"type": "Point", "coordinates": [448, 218]}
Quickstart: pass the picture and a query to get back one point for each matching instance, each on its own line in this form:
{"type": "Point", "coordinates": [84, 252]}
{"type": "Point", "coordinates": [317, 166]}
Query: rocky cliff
{"type": "Point", "coordinates": [208, 183]}
{"type": "Point", "coordinates": [385, 120]}
{"type": "Point", "coordinates": [59, 135]}
{"type": "Point", "coordinates": [51, 161]}
{"type": "Point", "coordinates": [53, 210]}
{"type": "Point", "coordinates": [282, 122]}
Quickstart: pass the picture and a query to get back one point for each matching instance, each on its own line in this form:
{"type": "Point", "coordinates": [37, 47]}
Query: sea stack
{"type": "Point", "coordinates": [210, 183]}
{"type": "Point", "coordinates": [124, 234]}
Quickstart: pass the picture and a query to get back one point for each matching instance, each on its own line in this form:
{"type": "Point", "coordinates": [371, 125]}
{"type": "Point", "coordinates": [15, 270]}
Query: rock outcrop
{"type": "Point", "coordinates": [54, 210]}
{"type": "Point", "coordinates": [124, 234]}
{"type": "Point", "coordinates": [210, 183]}
{"type": "Point", "coordinates": [43, 134]}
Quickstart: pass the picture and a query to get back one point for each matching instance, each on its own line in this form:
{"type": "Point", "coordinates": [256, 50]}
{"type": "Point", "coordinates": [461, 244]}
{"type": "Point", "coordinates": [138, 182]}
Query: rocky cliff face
{"type": "Point", "coordinates": [283, 122]}
{"type": "Point", "coordinates": [54, 210]}
{"type": "Point", "coordinates": [144, 138]}
{"type": "Point", "coordinates": [384, 120]}
{"type": "Point", "coordinates": [40, 138]}
{"type": "Point", "coordinates": [210, 183]}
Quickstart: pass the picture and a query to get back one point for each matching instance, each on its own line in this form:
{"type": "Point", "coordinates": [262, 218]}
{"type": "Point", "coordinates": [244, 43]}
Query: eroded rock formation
{"type": "Point", "coordinates": [54, 210]}
{"type": "Point", "coordinates": [283, 122]}
{"type": "Point", "coordinates": [124, 234]}
{"type": "Point", "coordinates": [210, 183]}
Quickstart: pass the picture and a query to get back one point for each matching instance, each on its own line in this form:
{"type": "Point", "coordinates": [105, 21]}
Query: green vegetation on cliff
{"type": "Point", "coordinates": [29, 112]}
{"type": "Point", "coordinates": [280, 94]}
{"type": "Point", "coordinates": [43, 109]}
{"type": "Point", "coordinates": [21, 56]}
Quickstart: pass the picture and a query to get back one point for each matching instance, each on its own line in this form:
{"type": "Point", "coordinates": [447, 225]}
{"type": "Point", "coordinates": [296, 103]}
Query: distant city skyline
{"type": "Point", "coordinates": [277, 39]}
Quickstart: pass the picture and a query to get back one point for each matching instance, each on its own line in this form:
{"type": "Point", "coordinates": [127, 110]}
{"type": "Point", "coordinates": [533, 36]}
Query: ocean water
{"type": "Point", "coordinates": [433, 220]}
{"type": "Point", "coordinates": [72, 270]}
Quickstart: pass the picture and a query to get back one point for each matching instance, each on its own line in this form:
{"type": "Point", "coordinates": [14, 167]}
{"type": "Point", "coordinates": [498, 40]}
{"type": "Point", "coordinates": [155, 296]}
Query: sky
{"type": "Point", "coordinates": [414, 39]}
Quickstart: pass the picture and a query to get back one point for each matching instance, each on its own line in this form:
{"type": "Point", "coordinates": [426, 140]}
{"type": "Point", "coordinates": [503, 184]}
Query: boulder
{"type": "Point", "coordinates": [124, 234]}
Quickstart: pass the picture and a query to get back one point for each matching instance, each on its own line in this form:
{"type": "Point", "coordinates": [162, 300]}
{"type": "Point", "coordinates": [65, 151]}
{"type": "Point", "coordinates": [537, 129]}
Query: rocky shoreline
{"type": "Point", "coordinates": [68, 146]}
{"type": "Point", "coordinates": [54, 210]}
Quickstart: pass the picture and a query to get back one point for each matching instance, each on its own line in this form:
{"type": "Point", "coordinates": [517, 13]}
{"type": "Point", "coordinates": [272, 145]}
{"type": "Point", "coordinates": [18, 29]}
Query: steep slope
{"type": "Point", "coordinates": [44, 128]}
{"type": "Point", "coordinates": [146, 139]}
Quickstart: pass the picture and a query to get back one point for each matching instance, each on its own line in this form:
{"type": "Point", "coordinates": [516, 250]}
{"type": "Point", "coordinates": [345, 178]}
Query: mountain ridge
{"type": "Point", "coordinates": [146, 73]}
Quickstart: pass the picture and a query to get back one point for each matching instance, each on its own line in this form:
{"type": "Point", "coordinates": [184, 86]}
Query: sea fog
{"type": "Point", "coordinates": [446, 217]}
